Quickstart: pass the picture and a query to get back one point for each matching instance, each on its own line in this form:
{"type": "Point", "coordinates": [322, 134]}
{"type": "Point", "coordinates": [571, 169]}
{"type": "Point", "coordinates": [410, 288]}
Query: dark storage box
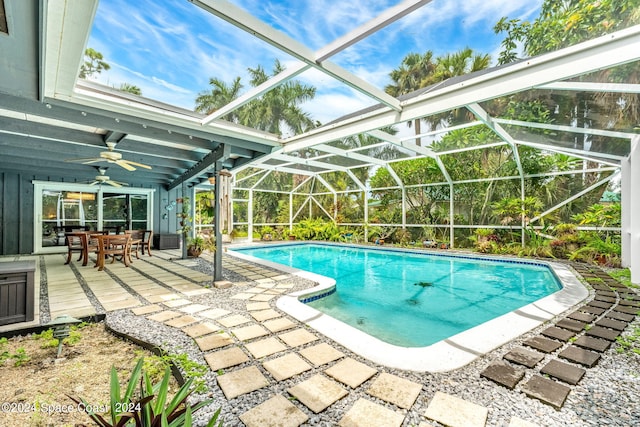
{"type": "Point", "coordinates": [166, 241]}
{"type": "Point", "coordinates": [16, 291]}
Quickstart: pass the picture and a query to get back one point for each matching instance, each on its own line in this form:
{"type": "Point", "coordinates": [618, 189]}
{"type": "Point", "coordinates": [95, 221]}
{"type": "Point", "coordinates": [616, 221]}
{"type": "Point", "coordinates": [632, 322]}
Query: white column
{"type": "Point", "coordinates": [631, 211]}
{"type": "Point", "coordinates": [250, 217]}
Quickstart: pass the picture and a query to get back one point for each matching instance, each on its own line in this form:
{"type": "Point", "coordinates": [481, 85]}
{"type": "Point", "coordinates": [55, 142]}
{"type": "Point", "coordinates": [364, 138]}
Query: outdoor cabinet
{"type": "Point", "coordinates": [16, 291]}
{"type": "Point", "coordinates": [166, 241]}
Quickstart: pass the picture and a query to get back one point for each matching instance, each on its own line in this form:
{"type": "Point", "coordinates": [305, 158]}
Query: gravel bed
{"type": "Point", "coordinates": [607, 395]}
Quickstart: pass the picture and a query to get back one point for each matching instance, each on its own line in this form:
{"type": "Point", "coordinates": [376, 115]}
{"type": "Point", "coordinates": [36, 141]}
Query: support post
{"type": "Point", "coordinates": [250, 217]}
{"type": "Point", "coordinates": [631, 212]}
{"type": "Point", "coordinates": [451, 217]}
{"type": "Point", "coordinates": [184, 220]}
{"type": "Point", "coordinates": [217, 256]}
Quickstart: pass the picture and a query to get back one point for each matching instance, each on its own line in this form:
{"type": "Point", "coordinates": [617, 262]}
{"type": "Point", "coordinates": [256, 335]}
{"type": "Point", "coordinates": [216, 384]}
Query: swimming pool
{"type": "Point", "coordinates": [414, 299]}
{"type": "Point", "coordinates": [528, 306]}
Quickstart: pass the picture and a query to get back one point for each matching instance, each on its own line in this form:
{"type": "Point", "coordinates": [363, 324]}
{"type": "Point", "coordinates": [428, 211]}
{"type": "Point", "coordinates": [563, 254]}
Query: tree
{"type": "Point", "coordinates": [220, 95]}
{"type": "Point", "coordinates": [94, 64]}
{"type": "Point", "coordinates": [278, 111]}
{"type": "Point", "coordinates": [411, 76]}
{"type": "Point", "coordinates": [418, 71]}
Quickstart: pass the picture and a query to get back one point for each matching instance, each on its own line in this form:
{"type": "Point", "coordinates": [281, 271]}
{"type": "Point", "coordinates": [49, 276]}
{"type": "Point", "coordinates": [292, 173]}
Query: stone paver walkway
{"type": "Point", "coordinates": [254, 348]}
{"type": "Point", "coordinates": [563, 352]}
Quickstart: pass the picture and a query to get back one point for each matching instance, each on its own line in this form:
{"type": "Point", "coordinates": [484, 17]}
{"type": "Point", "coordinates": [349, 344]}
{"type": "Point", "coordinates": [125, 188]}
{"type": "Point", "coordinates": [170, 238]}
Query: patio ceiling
{"type": "Point", "coordinates": [48, 115]}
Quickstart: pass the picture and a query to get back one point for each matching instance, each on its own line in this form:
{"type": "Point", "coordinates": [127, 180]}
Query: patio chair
{"type": "Point", "coordinates": [114, 246]}
{"type": "Point", "coordinates": [147, 239]}
{"type": "Point", "coordinates": [135, 241]}
{"type": "Point", "coordinates": [75, 243]}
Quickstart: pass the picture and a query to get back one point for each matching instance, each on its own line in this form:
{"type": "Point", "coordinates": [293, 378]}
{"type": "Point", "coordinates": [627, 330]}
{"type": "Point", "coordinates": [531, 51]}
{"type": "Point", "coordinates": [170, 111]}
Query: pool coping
{"type": "Point", "coordinates": [446, 355]}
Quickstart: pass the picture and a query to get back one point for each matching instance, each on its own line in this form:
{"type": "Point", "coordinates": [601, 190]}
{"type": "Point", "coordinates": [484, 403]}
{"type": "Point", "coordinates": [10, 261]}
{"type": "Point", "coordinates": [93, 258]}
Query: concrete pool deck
{"type": "Point", "coordinates": [448, 354]}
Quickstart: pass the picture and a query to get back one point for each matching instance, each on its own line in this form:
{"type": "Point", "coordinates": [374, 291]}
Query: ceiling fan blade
{"type": "Point", "coordinates": [88, 160]}
{"type": "Point", "coordinates": [136, 164]}
{"type": "Point", "coordinates": [94, 183]}
{"type": "Point", "coordinates": [114, 183]}
{"type": "Point", "coordinates": [125, 165]}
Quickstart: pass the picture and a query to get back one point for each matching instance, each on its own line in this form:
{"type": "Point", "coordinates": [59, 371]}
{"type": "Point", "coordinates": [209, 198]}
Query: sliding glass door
{"type": "Point", "coordinates": [60, 208]}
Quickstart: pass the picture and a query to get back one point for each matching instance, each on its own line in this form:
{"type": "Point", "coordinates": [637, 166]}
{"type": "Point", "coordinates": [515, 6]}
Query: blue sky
{"type": "Point", "coordinates": [170, 48]}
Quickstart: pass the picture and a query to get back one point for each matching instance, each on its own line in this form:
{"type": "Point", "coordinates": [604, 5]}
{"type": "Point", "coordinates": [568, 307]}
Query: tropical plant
{"type": "Point", "coordinates": [196, 245]}
{"type": "Point", "coordinates": [150, 405]}
{"type": "Point", "coordinates": [220, 95]}
{"type": "Point", "coordinates": [278, 111]}
{"type": "Point", "coordinates": [94, 63]}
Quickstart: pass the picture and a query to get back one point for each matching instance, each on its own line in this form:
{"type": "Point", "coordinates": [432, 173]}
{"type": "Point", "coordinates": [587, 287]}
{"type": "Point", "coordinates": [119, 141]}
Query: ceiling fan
{"type": "Point", "coordinates": [111, 156]}
{"type": "Point", "coordinates": [104, 179]}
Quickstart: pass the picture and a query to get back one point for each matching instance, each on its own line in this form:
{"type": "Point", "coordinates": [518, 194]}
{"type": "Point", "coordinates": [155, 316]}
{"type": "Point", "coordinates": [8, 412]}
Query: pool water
{"type": "Point", "coordinates": [414, 299]}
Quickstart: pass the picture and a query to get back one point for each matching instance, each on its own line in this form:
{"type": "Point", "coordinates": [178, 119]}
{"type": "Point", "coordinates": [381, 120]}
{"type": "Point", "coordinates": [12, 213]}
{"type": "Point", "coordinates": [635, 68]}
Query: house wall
{"type": "Point", "coordinates": [17, 216]}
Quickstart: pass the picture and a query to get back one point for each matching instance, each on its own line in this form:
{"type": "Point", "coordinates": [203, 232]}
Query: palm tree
{"type": "Point", "coordinates": [278, 111]}
{"type": "Point", "coordinates": [409, 77]}
{"type": "Point", "coordinates": [220, 95]}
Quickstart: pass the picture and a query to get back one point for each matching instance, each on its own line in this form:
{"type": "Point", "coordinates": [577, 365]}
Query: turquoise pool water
{"type": "Point", "coordinates": [414, 299]}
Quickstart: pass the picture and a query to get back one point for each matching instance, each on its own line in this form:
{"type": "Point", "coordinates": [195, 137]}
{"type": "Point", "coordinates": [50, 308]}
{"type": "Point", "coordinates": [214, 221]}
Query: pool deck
{"type": "Point", "coordinates": [451, 353]}
{"type": "Point", "coordinates": [272, 360]}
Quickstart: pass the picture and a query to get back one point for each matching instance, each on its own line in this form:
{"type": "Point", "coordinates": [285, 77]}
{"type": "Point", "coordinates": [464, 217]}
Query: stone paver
{"type": "Point", "coordinates": [286, 366]}
{"type": "Point", "coordinates": [604, 333]}
{"type": "Point", "coordinates": [455, 412]}
{"type": "Point", "coordinates": [546, 390]}
{"type": "Point", "coordinates": [572, 325]}
{"type": "Point", "coordinates": [265, 347]}
{"type": "Point", "coordinates": [263, 315]}
{"type": "Point", "coordinates": [280, 324]}
{"type": "Point", "coordinates": [563, 371]}
{"type": "Point", "coordinates": [542, 344]}
{"type": "Point", "coordinates": [297, 337]}
{"type": "Point", "coordinates": [254, 306]}
{"type": "Point", "coordinates": [214, 313]}
{"type": "Point", "coordinates": [582, 317]}
{"type": "Point", "coordinates": [612, 324]}
{"type": "Point", "coordinates": [177, 302]}
{"type": "Point", "coordinates": [580, 356]}
{"type": "Point", "coordinates": [351, 372]}
{"type": "Point", "coordinates": [321, 354]}
{"type": "Point", "coordinates": [318, 392]}
{"type": "Point", "coordinates": [503, 373]}
{"type": "Point", "coordinates": [235, 320]}
{"type": "Point", "coordinates": [393, 389]}
{"type": "Point", "coordinates": [593, 310]}
{"type": "Point", "coordinates": [193, 308]}
{"type": "Point", "coordinates": [624, 317]}
{"type": "Point", "coordinates": [275, 412]}
{"type": "Point", "coordinates": [249, 332]}
{"type": "Point", "coordinates": [262, 297]}
{"type": "Point", "coordinates": [364, 413]}
{"type": "Point", "coordinates": [225, 358]}
{"type": "Point", "coordinates": [522, 356]}
{"type": "Point", "coordinates": [558, 333]}
{"type": "Point", "coordinates": [601, 304]}
{"type": "Point", "coordinates": [591, 343]}
{"type": "Point", "coordinates": [179, 322]}
{"type": "Point", "coordinates": [147, 309]}
{"type": "Point", "coordinates": [212, 341]}
{"type": "Point", "coordinates": [195, 331]}
{"type": "Point", "coordinates": [241, 382]}
{"type": "Point", "coordinates": [163, 316]}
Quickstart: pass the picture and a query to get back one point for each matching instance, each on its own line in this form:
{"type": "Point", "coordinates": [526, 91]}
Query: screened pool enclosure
{"type": "Point", "coordinates": [514, 148]}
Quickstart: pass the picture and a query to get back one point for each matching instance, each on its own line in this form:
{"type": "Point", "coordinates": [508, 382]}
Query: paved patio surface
{"type": "Point", "coordinates": [162, 290]}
